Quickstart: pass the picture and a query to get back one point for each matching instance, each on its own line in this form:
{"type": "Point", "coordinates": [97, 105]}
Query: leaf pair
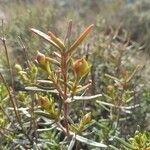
{"type": "Point", "coordinates": [58, 44]}
{"type": "Point", "coordinates": [46, 37]}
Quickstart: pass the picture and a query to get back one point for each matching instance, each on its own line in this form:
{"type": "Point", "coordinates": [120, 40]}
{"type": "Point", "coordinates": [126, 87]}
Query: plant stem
{"type": "Point", "coordinates": [13, 101]}
{"type": "Point", "coordinates": [64, 73]}
{"type": "Point", "coordinates": [7, 58]}
{"type": "Point", "coordinates": [33, 120]}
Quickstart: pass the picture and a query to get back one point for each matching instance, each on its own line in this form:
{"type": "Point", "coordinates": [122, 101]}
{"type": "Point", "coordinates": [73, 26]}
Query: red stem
{"type": "Point", "coordinates": [64, 73]}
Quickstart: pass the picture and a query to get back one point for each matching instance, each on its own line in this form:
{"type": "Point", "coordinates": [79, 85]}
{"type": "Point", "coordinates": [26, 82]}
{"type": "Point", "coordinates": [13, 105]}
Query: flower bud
{"type": "Point", "coordinates": [110, 88]}
{"type": "Point", "coordinates": [40, 58]}
{"type": "Point", "coordinates": [34, 69]}
{"type": "Point", "coordinates": [18, 67]}
{"type": "Point", "coordinates": [49, 106]}
{"type": "Point", "coordinates": [81, 68]}
{"type": "Point", "coordinates": [43, 102]}
{"type": "Point", "coordinates": [43, 62]}
{"type": "Point", "coordinates": [86, 119]}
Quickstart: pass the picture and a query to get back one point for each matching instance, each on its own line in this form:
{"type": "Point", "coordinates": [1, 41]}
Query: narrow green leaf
{"type": "Point", "coordinates": [112, 105]}
{"type": "Point", "coordinates": [56, 40]}
{"type": "Point", "coordinates": [113, 78]}
{"type": "Point", "coordinates": [125, 143]}
{"type": "Point", "coordinates": [83, 98]}
{"type": "Point", "coordinates": [34, 88]}
{"type": "Point", "coordinates": [46, 129]}
{"type": "Point", "coordinates": [53, 61]}
{"type": "Point", "coordinates": [80, 39]}
{"type": "Point", "coordinates": [113, 147]}
{"type": "Point", "coordinates": [83, 88]}
{"type": "Point", "coordinates": [133, 73]}
{"type": "Point", "coordinates": [46, 37]}
{"type": "Point", "coordinates": [71, 145]}
{"type": "Point", "coordinates": [45, 81]}
{"type": "Point", "coordinates": [90, 142]}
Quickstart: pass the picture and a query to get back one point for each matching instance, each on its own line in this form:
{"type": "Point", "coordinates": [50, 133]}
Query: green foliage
{"type": "Point", "coordinates": [64, 94]}
{"type": "Point", "coordinates": [139, 141]}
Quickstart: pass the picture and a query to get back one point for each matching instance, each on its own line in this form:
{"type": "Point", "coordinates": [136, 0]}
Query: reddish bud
{"type": "Point", "coordinates": [86, 119]}
{"type": "Point", "coordinates": [81, 68]}
{"type": "Point", "coordinates": [40, 58]}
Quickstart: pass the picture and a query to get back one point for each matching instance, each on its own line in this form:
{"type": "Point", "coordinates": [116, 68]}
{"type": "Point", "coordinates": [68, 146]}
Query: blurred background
{"type": "Point", "coordinates": [130, 17]}
{"type": "Point", "coordinates": [119, 25]}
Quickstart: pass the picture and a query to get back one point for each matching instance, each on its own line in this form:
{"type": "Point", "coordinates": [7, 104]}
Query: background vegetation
{"type": "Point", "coordinates": [119, 93]}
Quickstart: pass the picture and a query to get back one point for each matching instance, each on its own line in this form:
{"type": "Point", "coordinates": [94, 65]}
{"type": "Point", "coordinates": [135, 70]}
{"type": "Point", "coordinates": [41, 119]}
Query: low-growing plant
{"type": "Point", "coordinates": [51, 98]}
{"type": "Point", "coordinates": [139, 141]}
{"type": "Point", "coordinates": [53, 107]}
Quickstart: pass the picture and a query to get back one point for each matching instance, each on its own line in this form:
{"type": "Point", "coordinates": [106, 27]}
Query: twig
{"type": "Point", "coordinates": [11, 96]}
